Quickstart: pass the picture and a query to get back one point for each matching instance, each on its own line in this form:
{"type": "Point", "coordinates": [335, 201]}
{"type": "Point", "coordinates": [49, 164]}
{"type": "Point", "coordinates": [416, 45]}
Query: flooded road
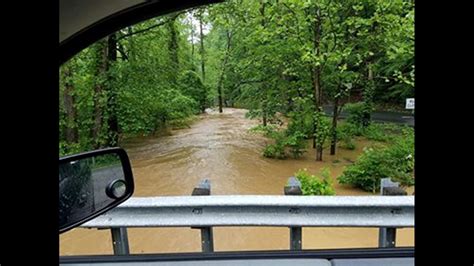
{"type": "Point", "coordinates": [220, 147]}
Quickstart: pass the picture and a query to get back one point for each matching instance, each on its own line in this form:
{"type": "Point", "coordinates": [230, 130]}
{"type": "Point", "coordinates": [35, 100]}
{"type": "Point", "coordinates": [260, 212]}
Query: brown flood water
{"type": "Point", "coordinates": [220, 147]}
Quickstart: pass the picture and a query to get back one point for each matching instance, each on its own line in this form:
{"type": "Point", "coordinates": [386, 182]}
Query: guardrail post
{"type": "Point", "coordinates": [120, 241]}
{"type": "Point", "coordinates": [294, 188]}
{"type": "Point", "coordinates": [387, 235]}
{"type": "Point", "coordinates": [207, 238]}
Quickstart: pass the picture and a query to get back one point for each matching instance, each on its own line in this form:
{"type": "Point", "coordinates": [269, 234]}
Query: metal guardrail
{"type": "Point", "coordinates": [295, 212]}
{"type": "Point", "coordinates": [307, 211]}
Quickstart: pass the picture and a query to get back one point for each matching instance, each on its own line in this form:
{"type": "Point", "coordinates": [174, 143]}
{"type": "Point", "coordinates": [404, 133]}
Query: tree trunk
{"type": "Point", "coordinates": [316, 78]}
{"type": "Point", "coordinates": [112, 93]}
{"type": "Point", "coordinates": [101, 67]}
{"type": "Point", "coordinates": [317, 69]}
{"type": "Point", "coordinates": [319, 154]}
{"type": "Point", "coordinates": [221, 78]}
{"type": "Point", "coordinates": [72, 135]}
{"type": "Point", "coordinates": [263, 85]}
{"type": "Point", "coordinates": [131, 44]}
{"type": "Point", "coordinates": [173, 50]}
{"type": "Point", "coordinates": [219, 91]}
{"type": "Point", "coordinates": [368, 95]}
{"type": "Point", "coordinates": [264, 113]}
{"type": "Point", "coordinates": [192, 44]}
{"type": "Point", "coordinates": [201, 38]}
{"type": "Point", "coordinates": [334, 127]}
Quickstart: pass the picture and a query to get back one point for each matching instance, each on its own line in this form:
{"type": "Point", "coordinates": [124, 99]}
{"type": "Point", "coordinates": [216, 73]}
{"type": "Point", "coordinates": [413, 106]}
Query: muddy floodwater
{"type": "Point", "coordinates": [220, 147]}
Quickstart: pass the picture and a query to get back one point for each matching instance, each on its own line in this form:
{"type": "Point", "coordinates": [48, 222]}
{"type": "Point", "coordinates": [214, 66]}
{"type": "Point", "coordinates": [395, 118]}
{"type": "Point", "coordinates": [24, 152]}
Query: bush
{"type": "Point", "coordinates": [182, 123]}
{"type": "Point", "coordinates": [296, 143]}
{"type": "Point", "coordinates": [277, 149]}
{"type": "Point", "coordinates": [300, 122]}
{"type": "Point", "coordinates": [386, 132]}
{"type": "Point", "coordinates": [356, 112]}
{"type": "Point", "coordinates": [396, 161]}
{"type": "Point", "coordinates": [267, 130]}
{"type": "Point", "coordinates": [349, 130]}
{"type": "Point", "coordinates": [348, 143]}
{"type": "Point", "coordinates": [313, 185]}
{"type": "Point", "coordinates": [376, 132]}
{"type": "Point", "coordinates": [69, 148]}
{"type": "Point", "coordinates": [367, 171]}
{"type": "Point", "coordinates": [191, 86]}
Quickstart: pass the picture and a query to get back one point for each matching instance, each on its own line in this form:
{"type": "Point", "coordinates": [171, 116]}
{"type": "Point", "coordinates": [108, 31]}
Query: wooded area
{"type": "Point", "coordinates": [277, 58]}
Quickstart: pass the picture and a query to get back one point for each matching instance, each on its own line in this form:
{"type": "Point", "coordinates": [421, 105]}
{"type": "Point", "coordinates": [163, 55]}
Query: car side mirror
{"type": "Point", "coordinates": [92, 183]}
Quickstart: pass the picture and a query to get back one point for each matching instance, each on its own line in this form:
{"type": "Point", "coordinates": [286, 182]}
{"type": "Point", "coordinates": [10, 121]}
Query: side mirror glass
{"type": "Point", "coordinates": [92, 183]}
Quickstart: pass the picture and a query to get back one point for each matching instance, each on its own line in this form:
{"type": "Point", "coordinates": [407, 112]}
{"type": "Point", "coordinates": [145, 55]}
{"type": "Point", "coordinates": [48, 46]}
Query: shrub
{"type": "Point", "coordinates": [313, 185]}
{"type": "Point", "coordinates": [376, 132]}
{"type": "Point", "coordinates": [296, 142]}
{"type": "Point", "coordinates": [69, 148]}
{"type": "Point", "coordinates": [191, 86]}
{"type": "Point", "coordinates": [277, 149]}
{"type": "Point", "coordinates": [346, 132]}
{"type": "Point", "coordinates": [396, 161]}
{"type": "Point", "coordinates": [348, 143]}
{"type": "Point", "coordinates": [349, 130]}
{"type": "Point", "coordinates": [267, 130]}
{"type": "Point", "coordinates": [356, 112]}
{"type": "Point", "coordinates": [182, 123]}
{"type": "Point", "coordinates": [274, 151]}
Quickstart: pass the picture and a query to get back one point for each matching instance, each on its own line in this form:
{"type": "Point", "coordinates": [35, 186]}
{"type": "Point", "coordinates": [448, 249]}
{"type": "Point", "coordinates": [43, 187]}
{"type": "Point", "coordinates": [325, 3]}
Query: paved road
{"type": "Point", "coordinates": [391, 117]}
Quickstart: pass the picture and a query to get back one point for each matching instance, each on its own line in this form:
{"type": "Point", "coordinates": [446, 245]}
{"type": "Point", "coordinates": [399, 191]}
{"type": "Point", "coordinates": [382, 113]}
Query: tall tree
{"type": "Point", "coordinates": [100, 67]}
{"type": "Point", "coordinates": [112, 138]}
{"type": "Point", "coordinates": [224, 64]}
{"type": "Point", "coordinates": [173, 48]}
{"type": "Point", "coordinates": [201, 41]}
{"type": "Point", "coordinates": [71, 130]}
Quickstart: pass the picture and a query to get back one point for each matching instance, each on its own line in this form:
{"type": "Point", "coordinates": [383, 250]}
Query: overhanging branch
{"type": "Point", "coordinates": [152, 27]}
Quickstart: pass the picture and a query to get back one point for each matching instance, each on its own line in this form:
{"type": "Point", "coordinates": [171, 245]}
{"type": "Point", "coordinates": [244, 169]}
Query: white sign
{"type": "Point", "coordinates": [410, 103]}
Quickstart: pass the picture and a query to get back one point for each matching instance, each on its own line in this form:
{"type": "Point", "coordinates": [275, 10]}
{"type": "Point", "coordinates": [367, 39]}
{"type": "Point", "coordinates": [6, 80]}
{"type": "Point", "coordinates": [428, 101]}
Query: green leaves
{"type": "Point", "coordinates": [276, 50]}
{"type": "Point", "coordinates": [191, 86]}
{"type": "Point", "coordinates": [313, 185]}
{"type": "Point", "coordinates": [396, 161]}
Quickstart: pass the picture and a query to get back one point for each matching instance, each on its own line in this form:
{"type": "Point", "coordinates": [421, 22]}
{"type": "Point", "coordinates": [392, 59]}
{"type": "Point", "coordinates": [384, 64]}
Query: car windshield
{"type": "Point", "coordinates": [249, 98]}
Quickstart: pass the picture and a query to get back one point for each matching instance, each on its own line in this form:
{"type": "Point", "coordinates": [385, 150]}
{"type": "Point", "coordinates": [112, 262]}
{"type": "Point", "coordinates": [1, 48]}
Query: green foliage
{"type": "Point", "coordinates": [142, 88]}
{"type": "Point", "coordinates": [301, 117]}
{"type": "Point", "coordinates": [348, 143]}
{"type": "Point", "coordinates": [385, 132]}
{"type": "Point", "coordinates": [182, 123]}
{"type": "Point", "coordinates": [296, 143]}
{"type": "Point", "coordinates": [267, 130]}
{"type": "Point", "coordinates": [273, 57]}
{"type": "Point", "coordinates": [323, 129]}
{"type": "Point", "coordinates": [69, 148]}
{"type": "Point", "coordinates": [313, 185]}
{"type": "Point", "coordinates": [191, 85]}
{"type": "Point", "coordinates": [357, 113]}
{"type": "Point", "coordinates": [347, 129]}
{"type": "Point", "coordinates": [396, 161]}
{"type": "Point", "coordinates": [276, 149]}
{"type": "Point", "coordinates": [376, 132]}
{"type": "Point", "coordinates": [284, 142]}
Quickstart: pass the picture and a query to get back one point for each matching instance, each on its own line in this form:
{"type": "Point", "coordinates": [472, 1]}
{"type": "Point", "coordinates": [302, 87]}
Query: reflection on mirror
{"type": "Point", "coordinates": [90, 184]}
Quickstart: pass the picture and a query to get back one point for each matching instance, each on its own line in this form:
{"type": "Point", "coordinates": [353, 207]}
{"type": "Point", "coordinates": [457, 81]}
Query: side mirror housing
{"type": "Point", "coordinates": [92, 183]}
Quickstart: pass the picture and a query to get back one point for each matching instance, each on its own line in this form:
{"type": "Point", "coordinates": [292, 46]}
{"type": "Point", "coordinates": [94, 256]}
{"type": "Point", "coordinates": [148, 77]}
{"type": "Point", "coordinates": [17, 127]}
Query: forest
{"type": "Point", "coordinates": [282, 60]}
